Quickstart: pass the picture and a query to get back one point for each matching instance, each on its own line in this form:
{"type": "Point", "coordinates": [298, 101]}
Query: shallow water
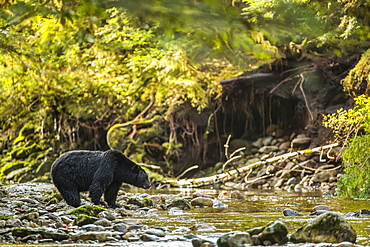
{"type": "Point", "coordinates": [260, 208]}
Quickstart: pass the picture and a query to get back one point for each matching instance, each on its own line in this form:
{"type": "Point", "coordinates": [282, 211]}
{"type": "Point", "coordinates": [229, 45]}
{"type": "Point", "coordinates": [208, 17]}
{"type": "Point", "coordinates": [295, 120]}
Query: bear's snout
{"type": "Point", "coordinates": [147, 185]}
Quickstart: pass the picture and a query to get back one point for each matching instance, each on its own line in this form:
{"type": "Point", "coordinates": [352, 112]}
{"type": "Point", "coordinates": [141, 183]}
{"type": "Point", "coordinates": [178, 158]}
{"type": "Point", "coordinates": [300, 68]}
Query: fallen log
{"type": "Point", "coordinates": [228, 175]}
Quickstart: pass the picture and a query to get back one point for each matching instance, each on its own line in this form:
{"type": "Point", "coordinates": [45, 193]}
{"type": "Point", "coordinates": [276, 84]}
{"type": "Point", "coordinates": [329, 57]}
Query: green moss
{"type": "Point", "coordinates": [90, 210]}
{"type": "Point", "coordinates": [5, 217]}
{"type": "Point", "coordinates": [148, 202]}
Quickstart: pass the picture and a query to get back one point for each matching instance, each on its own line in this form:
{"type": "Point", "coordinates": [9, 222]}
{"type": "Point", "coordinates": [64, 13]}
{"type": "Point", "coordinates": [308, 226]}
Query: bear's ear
{"type": "Point", "coordinates": [135, 168]}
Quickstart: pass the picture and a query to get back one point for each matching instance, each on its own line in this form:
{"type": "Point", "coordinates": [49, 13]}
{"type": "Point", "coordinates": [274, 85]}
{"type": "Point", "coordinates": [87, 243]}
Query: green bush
{"type": "Point", "coordinates": [353, 128]}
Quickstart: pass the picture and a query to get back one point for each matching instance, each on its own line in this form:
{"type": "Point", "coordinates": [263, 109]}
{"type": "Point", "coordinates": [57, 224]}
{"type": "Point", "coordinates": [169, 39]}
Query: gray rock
{"type": "Point", "coordinates": [274, 232]}
{"type": "Point", "coordinates": [103, 222]}
{"type": "Point", "coordinates": [101, 236]}
{"type": "Point", "coordinates": [156, 232]}
{"type": "Point", "coordinates": [66, 220]}
{"type": "Point", "coordinates": [45, 233]}
{"type": "Point", "coordinates": [92, 228]}
{"type": "Point", "coordinates": [107, 215]}
{"type": "Point", "coordinates": [329, 227]}
{"type": "Point", "coordinates": [290, 212]}
{"type": "Point", "coordinates": [120, 227]}
{"type": "Point", "coordinates": [13, 223]}
{"type": "Point", "coordinates": [147, 237]}
{"type": "Point", "coordinates": [301, 142]}
{"type": "Point", "coordinates": [234, 239]}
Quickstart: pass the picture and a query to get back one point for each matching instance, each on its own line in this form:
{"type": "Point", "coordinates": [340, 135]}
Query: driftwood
{"type": "Point", "coordinates": [229, 175]}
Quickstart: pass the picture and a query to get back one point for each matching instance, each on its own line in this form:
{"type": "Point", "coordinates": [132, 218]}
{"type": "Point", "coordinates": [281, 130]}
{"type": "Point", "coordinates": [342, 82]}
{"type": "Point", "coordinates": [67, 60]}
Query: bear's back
{"type": "Point", "coordinates": [76, 168]}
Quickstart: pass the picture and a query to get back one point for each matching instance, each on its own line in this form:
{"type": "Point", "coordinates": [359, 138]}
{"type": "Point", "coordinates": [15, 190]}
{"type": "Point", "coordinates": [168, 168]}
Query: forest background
{"type": "Point", "coordinates": [143, 76]}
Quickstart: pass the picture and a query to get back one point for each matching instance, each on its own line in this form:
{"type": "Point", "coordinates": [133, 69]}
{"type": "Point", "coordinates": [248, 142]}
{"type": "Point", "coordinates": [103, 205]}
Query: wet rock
{"type": "Point", "coordinates": [329, 227]}
{"type": "Point", "coordinates": [290, 212]}
{"type": "Point", "coordinates": [236, 194]}
{"type": "Point", "coordinates": [234, 239]}
{"type": "Point", "coordinates": [120, 227]}
{"type": "Point", "coordinates": [180, 203]}
{"type": "Point", "coordinates": [201, 202]}
{"type": "Point", "coordinates": [320, 207]}
{"type": "Point", "coordinates": [362, 212]}
{"type": "Point", "coordinates": [274, 232]}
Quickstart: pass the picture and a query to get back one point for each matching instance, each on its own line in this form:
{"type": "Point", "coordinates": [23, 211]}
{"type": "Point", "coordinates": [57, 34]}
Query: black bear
{"type": "Point", "coordinates": [97, 172]}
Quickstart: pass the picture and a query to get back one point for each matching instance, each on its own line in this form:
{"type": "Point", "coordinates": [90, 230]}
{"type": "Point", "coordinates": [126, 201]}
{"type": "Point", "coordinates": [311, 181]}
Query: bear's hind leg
{"type": "Point", "coordinates": [72, 197]}
{"type": "Point", "coordinates": [110, 194]}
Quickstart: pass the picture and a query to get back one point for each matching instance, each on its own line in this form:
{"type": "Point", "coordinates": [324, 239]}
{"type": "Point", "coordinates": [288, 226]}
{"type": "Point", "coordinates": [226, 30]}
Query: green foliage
{"type": "Point", "coordinates": [347, 125]}
{"type": "Point", "coordinates": [81, 76]}
{"type": "Point", "coordinates": [358, 80]}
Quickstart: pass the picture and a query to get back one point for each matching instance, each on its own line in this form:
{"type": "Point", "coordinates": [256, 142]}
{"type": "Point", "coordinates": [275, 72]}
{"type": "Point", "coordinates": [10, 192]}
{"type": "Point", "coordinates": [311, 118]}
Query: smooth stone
{"type": "Point", "coordinates": [147, 237]}
{"type": "Point", "coordinates": [202, 202]}
{"type": "Point", "coordinates": [101, 236]}
{"type": "Point", "coordinates": [93, 228]}
{"type": "Point", "coordinates": [156, 232]}
{"type": "Point", "coordinates": [290, 212]}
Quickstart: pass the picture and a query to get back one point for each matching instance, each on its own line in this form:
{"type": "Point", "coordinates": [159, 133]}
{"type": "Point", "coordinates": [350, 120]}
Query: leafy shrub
{"type": "Point", "coordinates": [353, 128]}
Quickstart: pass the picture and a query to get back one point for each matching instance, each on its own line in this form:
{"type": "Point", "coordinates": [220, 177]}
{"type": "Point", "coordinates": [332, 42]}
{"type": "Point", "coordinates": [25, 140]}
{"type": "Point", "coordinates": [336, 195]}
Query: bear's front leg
{"type": "Point", "coordinates": [110, 194]}
{"type": "Point", "coordinates": [96, 191]}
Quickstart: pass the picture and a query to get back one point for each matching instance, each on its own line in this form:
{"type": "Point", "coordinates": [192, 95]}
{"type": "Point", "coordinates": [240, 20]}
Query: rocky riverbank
{"type": "Point", "coordinates": [34, 213]}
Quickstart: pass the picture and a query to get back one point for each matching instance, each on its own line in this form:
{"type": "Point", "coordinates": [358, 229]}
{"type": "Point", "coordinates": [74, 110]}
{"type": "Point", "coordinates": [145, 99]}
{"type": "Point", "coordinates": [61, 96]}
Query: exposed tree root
{"type": "Point", "coordinates": [229, 175]}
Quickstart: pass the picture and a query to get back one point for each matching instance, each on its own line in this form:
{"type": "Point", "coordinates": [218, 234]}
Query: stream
{"type": "Point", "coordinates": [257, 210]}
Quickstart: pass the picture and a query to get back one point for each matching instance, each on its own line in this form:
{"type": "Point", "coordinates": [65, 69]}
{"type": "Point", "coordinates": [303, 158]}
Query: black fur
{"type": "Point", "coordinates": [97, 172]}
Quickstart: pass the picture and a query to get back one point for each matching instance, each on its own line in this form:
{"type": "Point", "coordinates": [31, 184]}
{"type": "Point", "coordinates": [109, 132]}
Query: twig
{"type": "Point", "coordinates": [256, 179]}
{"type": "Point", "coordinates": [227, 146]}
{"type": "Point", "coordinates": [187, 170]}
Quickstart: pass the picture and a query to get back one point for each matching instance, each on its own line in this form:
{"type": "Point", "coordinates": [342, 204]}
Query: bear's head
{"type": "Point", "coordinates": [142, 179]}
